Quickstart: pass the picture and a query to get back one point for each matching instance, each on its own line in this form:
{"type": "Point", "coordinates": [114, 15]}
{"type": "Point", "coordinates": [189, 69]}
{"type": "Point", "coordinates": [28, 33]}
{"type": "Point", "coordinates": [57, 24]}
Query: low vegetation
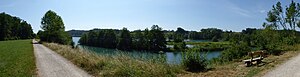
{"type": "Point", "coordinates": [17, 59]}
{"type": "Point", "coordinates": [121, 65]}
{"type": "Point", "coordinates": [194, 62]}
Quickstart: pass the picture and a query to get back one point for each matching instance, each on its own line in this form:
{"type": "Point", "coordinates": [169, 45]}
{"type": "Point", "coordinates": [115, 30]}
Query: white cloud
{"type": "Point", "coordinates": [262, 11]}
{"type": "Point", "coordinates": [241, 11]}
{"type": "Point", "coordinates": [236, 9]}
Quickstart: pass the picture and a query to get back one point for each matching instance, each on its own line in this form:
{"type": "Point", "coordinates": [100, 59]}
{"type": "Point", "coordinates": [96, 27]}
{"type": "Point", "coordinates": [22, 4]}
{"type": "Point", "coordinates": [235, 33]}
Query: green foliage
{"type": "Point", "coordinates": [178, 38]}
{"type": "Point", "coordinates": [181, 46]}
{"type": "Point", "coordinates": [207, 34]}
{"type": "Point", "coordinates": [237, 51]}
{"type": "Point", "coordinates": [52, 22]}
{"type": "Point", "coordinates": [288, 19]}
{"type": "Point", "coordinates": [193, 61]}
{"type": "Point", "coordinates": [54, 30]}
{"type": "Point", "coordinates": [139, 40]}
{"type": "Point", "coordinates": [157, 39]}
{"type": "Point", "coordinates": [125, 40]}
{"type": "Point", "coordinates": [205, 46]}
{"type": "Point", "coordinates": [17, 59]}
{"type": "Point", "coordinates": [13, 28]}
{"type": "Point", "coordinates": [99, 38]}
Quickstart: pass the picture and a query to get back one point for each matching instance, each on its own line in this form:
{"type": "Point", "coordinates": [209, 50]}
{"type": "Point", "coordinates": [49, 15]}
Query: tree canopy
{"type": "Point", "coordinates": [13, 28]}
{"type": "Point", "coordinates": [125, 40]}
{"type": "Point", "coordinates": [54, 29]}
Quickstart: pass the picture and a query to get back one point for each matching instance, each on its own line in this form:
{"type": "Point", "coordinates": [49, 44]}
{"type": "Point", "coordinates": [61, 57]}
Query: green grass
{"type": "Point", "coordinates": [17, 59]}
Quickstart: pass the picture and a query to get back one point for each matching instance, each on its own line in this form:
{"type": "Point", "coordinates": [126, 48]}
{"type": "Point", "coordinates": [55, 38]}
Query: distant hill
{"type": "Point", "coordinates": [76, 33]}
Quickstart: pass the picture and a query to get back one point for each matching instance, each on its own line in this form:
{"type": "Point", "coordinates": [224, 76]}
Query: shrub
{"type": "Point", "coordinates": [235, 52]}
{"type": "Point", "coordinates": [194, 62]}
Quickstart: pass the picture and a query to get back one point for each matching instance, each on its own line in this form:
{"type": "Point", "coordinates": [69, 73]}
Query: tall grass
{"type": "Point", "coordinates": [17, 59]}
{"type": "Point", "coordinates": [115, 66]}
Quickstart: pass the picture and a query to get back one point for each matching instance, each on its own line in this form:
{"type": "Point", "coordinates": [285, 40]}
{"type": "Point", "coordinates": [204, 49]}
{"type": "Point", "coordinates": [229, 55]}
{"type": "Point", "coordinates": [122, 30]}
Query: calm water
{"type": "Point", "coordinates": [169, 57]}
{"type": "Point", "coordinates": [75, 40]}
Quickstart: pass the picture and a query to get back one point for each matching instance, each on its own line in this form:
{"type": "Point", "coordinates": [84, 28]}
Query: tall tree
{"type": "Point", "coordinates": [52, 22]}
{"type": "Point", "coordinates": [54, 29]}
{"type": "Point", "coordinates": [110, 39]}
{"type": "Point", "coordinates": [158, 41]}
{"type": "Point", "coordinates": [278, 18]}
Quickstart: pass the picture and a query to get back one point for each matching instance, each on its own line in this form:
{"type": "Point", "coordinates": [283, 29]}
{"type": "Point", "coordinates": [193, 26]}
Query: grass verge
{"type": "Point", "coordinates": [17, 59]}
{"type": "Point", "coordinates": [117, 66]}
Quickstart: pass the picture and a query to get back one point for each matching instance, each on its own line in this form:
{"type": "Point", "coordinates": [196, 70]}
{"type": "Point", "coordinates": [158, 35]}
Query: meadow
{"type": "Point", "coordinates": [17, 59]}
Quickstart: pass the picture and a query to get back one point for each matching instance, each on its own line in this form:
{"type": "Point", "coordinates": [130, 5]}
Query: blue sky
{"type": "Point", "coordinates": [193, 15]}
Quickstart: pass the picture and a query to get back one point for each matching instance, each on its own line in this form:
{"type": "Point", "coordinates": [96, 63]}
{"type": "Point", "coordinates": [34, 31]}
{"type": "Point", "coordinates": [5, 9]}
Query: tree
{"type": "Point", "coordinates": [138, 40]}
{"type": "Point", "coordinates": [110, 39]}
{"type": "Point", "coordinates": [158, 41]}
{"type": "Point", "coordinates": [54, 29]}
{"type": "Point", "coordinates": [125, 40]}
{"type": "Point", "coordinates": [52, 22]}
{"type": "Point", "coordinates": [178, 38]}
{"type": "Point", "coordinates": [13, 28]}
{"type": "Point", "coordinates": [289, 19]}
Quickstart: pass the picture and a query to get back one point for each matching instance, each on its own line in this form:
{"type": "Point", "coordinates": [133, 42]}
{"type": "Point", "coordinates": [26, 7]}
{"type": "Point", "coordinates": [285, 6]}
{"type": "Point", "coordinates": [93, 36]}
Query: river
{"type": "Point", "coordinates": [169, 57]}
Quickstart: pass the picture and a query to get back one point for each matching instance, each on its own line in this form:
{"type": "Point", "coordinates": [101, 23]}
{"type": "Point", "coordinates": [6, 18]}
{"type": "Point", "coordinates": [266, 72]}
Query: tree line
{"type": "Point", "coordinates": [212, 34]}
{"type": "Point", "coordinates": [14, 28]}
{"type": "Point", "coordinates": [152, 40]}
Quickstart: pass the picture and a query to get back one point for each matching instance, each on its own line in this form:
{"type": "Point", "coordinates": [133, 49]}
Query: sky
{"type": "Point", "coordinates": [234, 15]}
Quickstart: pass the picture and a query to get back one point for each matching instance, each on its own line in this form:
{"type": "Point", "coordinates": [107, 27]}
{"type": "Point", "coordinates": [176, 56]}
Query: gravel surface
{"type": "Point", "coordinates": [290, 68]}
{"type": "Point", "coordinates": [51, 64]}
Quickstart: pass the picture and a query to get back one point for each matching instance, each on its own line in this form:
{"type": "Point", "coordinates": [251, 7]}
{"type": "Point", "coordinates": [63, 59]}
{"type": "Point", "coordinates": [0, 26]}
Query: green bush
{"type": "Point", "coordinates": [237, 51]}
{"type": "Point", "coordinates": [194, 62]}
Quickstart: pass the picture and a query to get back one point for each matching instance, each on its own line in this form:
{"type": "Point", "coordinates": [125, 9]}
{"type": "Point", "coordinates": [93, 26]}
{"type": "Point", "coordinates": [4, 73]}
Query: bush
{"type": "Point", "coordinates": [56, 36]}
{"type": "Point", "coordinates": [194, 62]}
{"type": "Point", "coordinates": [237, 51]}
{"type": "Point", "coordinates": [181, 46]}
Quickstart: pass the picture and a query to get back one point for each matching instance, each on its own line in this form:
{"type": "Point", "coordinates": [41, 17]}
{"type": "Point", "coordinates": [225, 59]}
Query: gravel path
{"type": "Point", "coordinates": [291, 68]}
{"type": "Point", "coordinates": [51, 64]}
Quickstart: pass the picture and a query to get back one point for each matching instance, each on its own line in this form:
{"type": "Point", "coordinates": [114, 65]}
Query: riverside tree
{"type": "Point", "coordinates": [54, 29]}
{"type": "Point", "coordinates": [152, 40]}
{"type": "Point", "coordinates": [125, 40]}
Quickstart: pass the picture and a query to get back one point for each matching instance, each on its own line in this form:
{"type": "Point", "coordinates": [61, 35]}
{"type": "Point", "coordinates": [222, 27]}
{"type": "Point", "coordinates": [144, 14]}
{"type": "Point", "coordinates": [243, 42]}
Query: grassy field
{"type": "Point", "coordinates": [17, 59]}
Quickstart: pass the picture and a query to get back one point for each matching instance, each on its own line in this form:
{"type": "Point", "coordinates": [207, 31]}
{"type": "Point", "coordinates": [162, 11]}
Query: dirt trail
{"type": "Point", "coordinates": [51, 64]}
{"type": "Point", "coordinates": [290, 68]}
